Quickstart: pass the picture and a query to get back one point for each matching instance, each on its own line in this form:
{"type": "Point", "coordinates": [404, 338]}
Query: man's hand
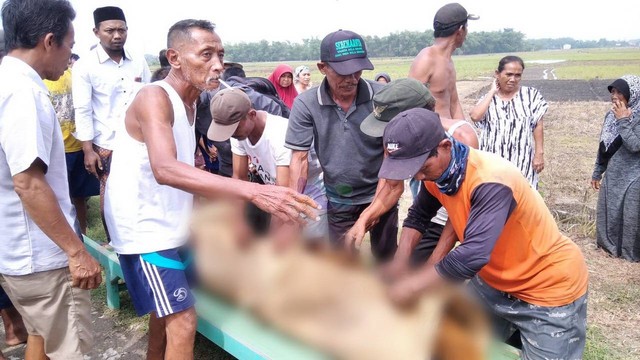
{"type": "Point", "coordinates": [409, 287]}
{"type": "Point", "coordinates": [538, 162]}
{"type": "Point", "coordinates": [85, 270]}
{"type": "Point", "coordinates": [396, 269]}
{"type": "Point", "coordinates": [284, 203]}
{"type": "Point", "coordinates": [212, 151]}
{"type": "Point", "coordinates": [92, 161]}
{"type": "Point", "coordinates": [353, 237]}
{"type": "Point", "coordinates": [406, 290]}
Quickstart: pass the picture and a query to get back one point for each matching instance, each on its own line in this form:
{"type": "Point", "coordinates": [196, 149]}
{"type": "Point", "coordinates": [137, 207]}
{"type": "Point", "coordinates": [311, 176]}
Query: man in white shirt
{"type": "Point", "coordinates": [104, 82]}
{"type": "Point", "coordinates": [258, 137]}
{"type": "Point", "coordinates": [44, 267]}
{"type": "Point", "coordinates": [254, 134]}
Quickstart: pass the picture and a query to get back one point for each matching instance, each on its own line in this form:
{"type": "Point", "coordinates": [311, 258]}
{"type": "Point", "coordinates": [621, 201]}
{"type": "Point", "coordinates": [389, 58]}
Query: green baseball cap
{"type": "Point", "coordinates": [394, 98]}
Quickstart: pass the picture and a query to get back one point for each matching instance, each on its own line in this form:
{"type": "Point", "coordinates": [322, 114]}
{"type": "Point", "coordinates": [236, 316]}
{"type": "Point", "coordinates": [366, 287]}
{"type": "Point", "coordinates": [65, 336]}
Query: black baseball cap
{"type": "Point", "coordinates": [408, 140]}
{"type": "Point", "coordinates": [345, 51]}
{"type": "Point", "coordinates": [450, 16]}
{"type": "Point", "coordinates": [395, 97]}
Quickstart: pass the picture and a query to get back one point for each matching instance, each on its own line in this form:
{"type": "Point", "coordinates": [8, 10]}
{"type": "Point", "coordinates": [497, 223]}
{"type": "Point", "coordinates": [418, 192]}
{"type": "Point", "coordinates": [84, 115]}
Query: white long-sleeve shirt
{"type": "Point", "coordinates": [102, 91]}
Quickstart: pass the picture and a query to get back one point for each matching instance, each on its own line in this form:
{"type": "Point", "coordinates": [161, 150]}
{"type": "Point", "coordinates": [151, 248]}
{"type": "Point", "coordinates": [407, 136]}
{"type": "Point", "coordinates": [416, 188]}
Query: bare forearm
{"type": "Point", "coordinates": [298, 170]}
{"type": "Point", "coordinates": [409, 239]}
{"type": "Point", "coordinates": [447, 240]}
{"type": "Point", "coordinates": [478, 111]}
{"type": "Point", "coordinates": [387, 195]}
{"type": "Point", "coordinates": [190, 179]}
{"type": "Point", "coordinates": [538, 137]}
{"type": "Point", "coordinates": [41, 204]}
{"type": "Point", "coordinates": [282, 175]}
{"type": "Point", "coordinates": [87, 146]}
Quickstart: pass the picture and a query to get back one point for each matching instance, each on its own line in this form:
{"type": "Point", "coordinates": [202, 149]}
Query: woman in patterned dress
{"type": "Point", "coordinates": [510, 117]}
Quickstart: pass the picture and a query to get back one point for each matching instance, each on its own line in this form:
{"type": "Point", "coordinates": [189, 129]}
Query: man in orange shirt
{"type": "Point", "coordinates": [530, 276]}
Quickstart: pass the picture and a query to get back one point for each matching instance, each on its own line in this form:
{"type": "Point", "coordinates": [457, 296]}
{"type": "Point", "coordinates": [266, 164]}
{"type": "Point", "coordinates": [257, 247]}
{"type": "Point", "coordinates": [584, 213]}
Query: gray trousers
{"type": "Point", "coordinates": [557, 332]}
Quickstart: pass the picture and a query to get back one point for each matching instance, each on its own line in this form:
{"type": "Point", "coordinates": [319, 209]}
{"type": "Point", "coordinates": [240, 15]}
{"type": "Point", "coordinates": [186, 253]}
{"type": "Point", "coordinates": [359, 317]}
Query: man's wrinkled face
{"type": "Point", "coordinates": [112, 34]}
{"type": "Point", "coordinates": [340, 85]}
{"type": "Point", "coordinates": [201, 59]}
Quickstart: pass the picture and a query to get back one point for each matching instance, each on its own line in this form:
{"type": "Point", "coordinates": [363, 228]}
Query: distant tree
{"type": "Point", "coordinates": [405, 44]}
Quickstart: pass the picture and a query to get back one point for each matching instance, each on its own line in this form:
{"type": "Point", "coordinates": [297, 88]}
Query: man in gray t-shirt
{"type": "Point", "coordinates": [331, 115]}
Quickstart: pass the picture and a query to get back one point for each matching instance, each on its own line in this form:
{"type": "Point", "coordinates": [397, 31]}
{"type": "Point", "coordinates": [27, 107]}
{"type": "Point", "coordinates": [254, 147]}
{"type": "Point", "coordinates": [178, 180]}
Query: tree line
{"type": "Point", "coordinates": [407, 44]}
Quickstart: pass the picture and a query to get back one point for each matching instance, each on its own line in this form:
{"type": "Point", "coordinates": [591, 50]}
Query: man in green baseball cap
{"type": "Point", "coordinates": [395, 97]}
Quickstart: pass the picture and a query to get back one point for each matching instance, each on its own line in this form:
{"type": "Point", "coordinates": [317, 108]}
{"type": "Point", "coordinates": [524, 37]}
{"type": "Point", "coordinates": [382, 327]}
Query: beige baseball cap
{"type": "Point", "coordinates": [228, 107]}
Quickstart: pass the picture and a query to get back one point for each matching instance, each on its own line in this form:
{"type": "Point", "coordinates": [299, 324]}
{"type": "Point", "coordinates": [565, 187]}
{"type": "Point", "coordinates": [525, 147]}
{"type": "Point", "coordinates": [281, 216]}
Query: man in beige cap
{"type": "Point", "coordinates": [258, 137]}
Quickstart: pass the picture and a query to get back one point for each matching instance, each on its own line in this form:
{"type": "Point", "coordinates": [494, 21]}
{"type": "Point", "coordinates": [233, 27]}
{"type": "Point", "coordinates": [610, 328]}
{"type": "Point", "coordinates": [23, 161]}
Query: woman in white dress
{"type": "Point", "coordinates": [510, 117]}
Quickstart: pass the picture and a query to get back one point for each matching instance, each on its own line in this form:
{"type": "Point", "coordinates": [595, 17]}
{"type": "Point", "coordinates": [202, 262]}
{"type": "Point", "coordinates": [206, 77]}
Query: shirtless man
{"type": "Point", "coordinates": [149, 199]}
{"type": "Point", "coordinates": [434, 66]}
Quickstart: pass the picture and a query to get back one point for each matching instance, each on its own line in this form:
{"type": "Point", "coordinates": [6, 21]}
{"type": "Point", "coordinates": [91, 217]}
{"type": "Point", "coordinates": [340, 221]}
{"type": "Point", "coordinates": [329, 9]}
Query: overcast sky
{"type": "Point", "coordinates": [294, 20]}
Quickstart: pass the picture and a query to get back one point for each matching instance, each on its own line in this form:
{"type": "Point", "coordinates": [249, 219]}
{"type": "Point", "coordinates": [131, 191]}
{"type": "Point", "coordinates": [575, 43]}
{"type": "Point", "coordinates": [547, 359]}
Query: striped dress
{"type": "Point", "coordinates": [507, 129]}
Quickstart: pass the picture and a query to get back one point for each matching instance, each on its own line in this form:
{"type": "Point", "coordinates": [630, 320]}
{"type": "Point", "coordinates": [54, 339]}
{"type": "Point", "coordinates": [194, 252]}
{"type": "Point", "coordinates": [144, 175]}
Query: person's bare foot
{"type": "Point", "coordinates": [15, 332]}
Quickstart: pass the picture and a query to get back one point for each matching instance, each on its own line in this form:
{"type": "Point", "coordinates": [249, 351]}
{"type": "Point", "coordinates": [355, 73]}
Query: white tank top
{"type": "Point", "coordinates": [142, 215]}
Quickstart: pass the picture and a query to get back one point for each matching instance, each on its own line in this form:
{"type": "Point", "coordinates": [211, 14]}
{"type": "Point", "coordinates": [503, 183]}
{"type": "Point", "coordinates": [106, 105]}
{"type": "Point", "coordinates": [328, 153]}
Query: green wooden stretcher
{"type": "Point", "coordinates": [233, 329]}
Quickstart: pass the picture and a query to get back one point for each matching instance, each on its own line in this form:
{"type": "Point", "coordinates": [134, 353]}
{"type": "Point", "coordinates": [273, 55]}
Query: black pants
{"type": "Point", "coordinates": [384, 235]}
{"type": "Point", "coordinates": [427, 244]}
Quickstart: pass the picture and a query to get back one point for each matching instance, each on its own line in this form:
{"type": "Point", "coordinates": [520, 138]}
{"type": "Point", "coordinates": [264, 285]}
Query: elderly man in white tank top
{"type": "Point", "coordinates": [150, 190]}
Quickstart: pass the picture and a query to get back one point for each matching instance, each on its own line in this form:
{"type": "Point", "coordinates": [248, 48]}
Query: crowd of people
{"type": "Point", "coordinates": [328, 162]}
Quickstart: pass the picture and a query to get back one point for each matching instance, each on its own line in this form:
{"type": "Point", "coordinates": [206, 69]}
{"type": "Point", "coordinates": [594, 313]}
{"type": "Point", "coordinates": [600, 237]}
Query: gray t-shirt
{"type": "Point", "coordinates": [349, 158]}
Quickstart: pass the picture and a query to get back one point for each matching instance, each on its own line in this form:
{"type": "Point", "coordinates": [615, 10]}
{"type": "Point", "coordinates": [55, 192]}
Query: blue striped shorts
{"type": "Point", "coordinates": [158, 281]}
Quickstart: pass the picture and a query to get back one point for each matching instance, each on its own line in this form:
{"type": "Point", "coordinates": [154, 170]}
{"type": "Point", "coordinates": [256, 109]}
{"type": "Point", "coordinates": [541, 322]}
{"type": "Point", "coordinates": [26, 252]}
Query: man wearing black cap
{"type": "Point", "coordinates": [530, 277]}
{"type": "Point", "coordinates": [433, 65]}
{"type": "Point", "coordinates": [400, 95]}
{"type": "Point", "coordinates": [328, 117]}
{"type": "Point", "coordinates": [103, 82]}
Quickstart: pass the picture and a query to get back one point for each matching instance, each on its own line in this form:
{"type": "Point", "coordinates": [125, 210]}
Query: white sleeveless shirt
{"type": "Point", "coordinates": [142, 215]}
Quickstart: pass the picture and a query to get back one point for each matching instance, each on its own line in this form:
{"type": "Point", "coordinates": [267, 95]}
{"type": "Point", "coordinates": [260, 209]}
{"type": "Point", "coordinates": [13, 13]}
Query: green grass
{"type": "Point", "coordinates": [582, 64]}
{"type": "Point", "coordinates": [597, 347]}
{"type": "Point", "coordinates": [95, 230]}
{"type": "Point", "coordinates": [579, 64]}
